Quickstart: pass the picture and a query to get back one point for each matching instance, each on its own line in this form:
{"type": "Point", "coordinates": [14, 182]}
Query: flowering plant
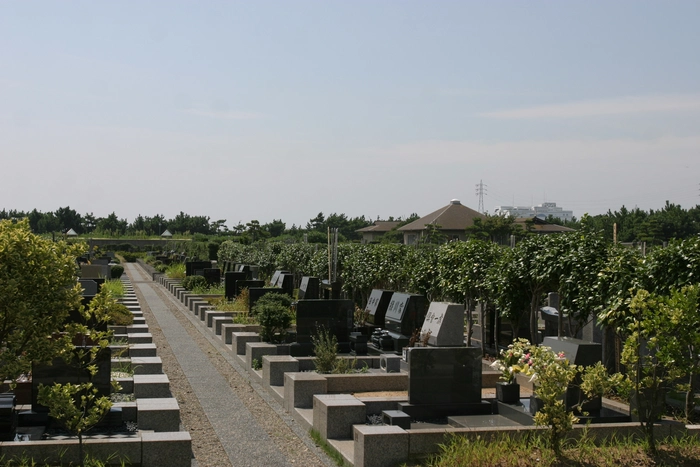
{"type": "Point", "coordinates": [517, 358]}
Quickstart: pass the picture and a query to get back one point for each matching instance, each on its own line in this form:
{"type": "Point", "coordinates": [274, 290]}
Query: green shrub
{"type": "Point", "coordinates": [117, 271]}
{"type": "Point", "coordinates": [129, 257]}
{"type": "Point", "coordinates": [121, 316]}
{"type": "Point", "coordinates": [274, 315]}
{"type": "Point", "coordinates": [326, 350]}
{"type": "Point", "coordinates": [192, 282]}
{"type": "Point", "coordinates": [160, 268]}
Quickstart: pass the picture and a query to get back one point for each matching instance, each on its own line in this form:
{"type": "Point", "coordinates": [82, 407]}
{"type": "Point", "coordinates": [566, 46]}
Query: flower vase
{"type": "Point", "coordinates": [508, 393]}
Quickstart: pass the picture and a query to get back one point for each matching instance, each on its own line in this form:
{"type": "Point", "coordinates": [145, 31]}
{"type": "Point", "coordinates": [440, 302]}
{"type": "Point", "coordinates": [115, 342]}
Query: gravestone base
{"type": "Point", "coordinates": [428, 411]}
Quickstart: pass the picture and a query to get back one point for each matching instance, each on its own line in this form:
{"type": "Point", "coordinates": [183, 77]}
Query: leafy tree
{"type": "Point", "coordinates": [496, 229]}
{"type": "Point", "coordinates": [79, 406]}
{"type": "Point", "coordinates": [318, 223]}
{"type": "Point", "coordinates": [275, 228]}
{"type": "Point", "coordinates": [462, 269]}
{"type": "Point", "coordinates": [649, 355]}
{"type": "Point", "coordinates": [112, 224]}
{"type": "Point", "coordinates": [68, 218]}
{"type": "Point", "coordinates": [38, 289]}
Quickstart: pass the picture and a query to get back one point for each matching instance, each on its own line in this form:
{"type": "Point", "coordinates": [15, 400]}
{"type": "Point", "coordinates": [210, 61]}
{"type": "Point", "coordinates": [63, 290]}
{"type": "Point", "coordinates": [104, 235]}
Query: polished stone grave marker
{"type": "Point", "coordinates": [444, 381]}
{"type": "Point", "coordinates": [191, 267]}
{"type": "Point", "coordinates": [231, 289]}
{"type": "Point", "coordinates": [445, 323]}
{"type": "Point", "coordinates": [212, 276]}
{"type": "Point", "coordinates": [377, 305]}
{"type": "Point", "coordinates": [333, 315]}
{"type": "Point", "coordinates": [309, 288]}
{"type": "Point", "coordinates": [286, 282]}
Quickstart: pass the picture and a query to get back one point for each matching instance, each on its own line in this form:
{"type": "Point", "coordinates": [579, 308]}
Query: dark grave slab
{"type": "Point", "coordinates": [333, 315]}
{"type": "Point", "coordinates": [444, 375]}
{"type": "Point", "coordinates": [578, 352]}
{"type": "Point", "coordinates": [192, 266]}
{"type": "Point", "coordinates": [286, 282]}
{"type": "Point", "coordinates": [231, 291]}
{"type": "Point", "coordinates": [445, 323]}
{"type": "Point", "coordinates": [248, 284]}
{"type": "Point", "coordinates": [330, 290]}
{"type": "Point", "coordinates": [95, 271]}
{"type": "Point", "coordinates": [254, 294]}
{"type": "Point", "coordinates": [377, 305]}
{"type": "Point", "coordinates": [89, 287]}
{"type": "Point", "coordinates": [101, 261]}
{"type": "Point", "coordinates": [309, 288]}
{"type": "Point", "coordinates": [254, 272]}
{"type": "Point", "coordinates": [61, 372]}
{"type": "Point", "coordinates": [8, 418]}
{"type": "Point", "coordinates": [275, 277]}
{"type": "Point", "coordinates": [212, 276]}
{"type": "Point", "coordinates": [406, 313]}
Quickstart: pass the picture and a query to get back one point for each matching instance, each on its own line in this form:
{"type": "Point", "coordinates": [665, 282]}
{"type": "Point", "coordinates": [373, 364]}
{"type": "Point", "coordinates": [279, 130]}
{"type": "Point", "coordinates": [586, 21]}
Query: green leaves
{"type": "Point", "coordinates": [38, 288]}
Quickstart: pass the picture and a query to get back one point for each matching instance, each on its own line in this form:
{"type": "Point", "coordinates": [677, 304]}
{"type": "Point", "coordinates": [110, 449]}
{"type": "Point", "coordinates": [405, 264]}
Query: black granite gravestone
{"type": "Point", "coordinates": [8, 417]}
{"type": "Point", "coordinates": [309, 288]}
{"type": "Point", "coordinates": [231, 291]}
{"type": "Point", "coordinates": [61, 372]}
{"type": "Point", "coordinates": [377, 305]}
{"type": "Point", "coordinates": [333, 315]}
{"type": "Point", "coordinates": [405, 314]}
{"type": "Point", "coordinates": [212, 276]}
{"type": "Point", "coordinates": [444, 381]}
{"type": "Point", "coordinates": [248, 284]}
{"type": "Point", "coordinates": [330, 290]}
{"type": "Point", "coordinates": [286, 282]}
{"type": "Point", "coordinates": [192, 266]}
{"type": "Point", "coordinates": [275, 276]}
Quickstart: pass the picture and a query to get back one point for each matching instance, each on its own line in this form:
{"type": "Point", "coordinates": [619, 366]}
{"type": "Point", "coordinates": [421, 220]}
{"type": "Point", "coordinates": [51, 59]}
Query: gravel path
{"type": "Point", "coordinates": [232, 420]}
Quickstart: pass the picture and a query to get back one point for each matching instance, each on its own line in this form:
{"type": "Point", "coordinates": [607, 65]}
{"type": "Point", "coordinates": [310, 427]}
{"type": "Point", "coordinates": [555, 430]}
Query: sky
{"type": "Point", "coordinates": [243, 110]}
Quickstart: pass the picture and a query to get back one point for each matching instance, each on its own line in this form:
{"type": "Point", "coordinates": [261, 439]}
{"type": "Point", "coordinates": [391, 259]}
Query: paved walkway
{"type": "Point", "coordinates": [239, 411]}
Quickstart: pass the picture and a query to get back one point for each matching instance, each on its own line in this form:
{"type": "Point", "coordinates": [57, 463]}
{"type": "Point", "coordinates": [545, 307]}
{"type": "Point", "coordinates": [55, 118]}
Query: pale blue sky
{"type": "Point", "coordinates": [281, 109]}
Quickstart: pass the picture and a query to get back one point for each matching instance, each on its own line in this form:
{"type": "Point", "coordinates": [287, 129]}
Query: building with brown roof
{"type": "Point", "coordinates": [452, 220]}
{"type": "Point", "coordinates": [540, 226]}
{"type": "Point", "coordinates": [375, 231]}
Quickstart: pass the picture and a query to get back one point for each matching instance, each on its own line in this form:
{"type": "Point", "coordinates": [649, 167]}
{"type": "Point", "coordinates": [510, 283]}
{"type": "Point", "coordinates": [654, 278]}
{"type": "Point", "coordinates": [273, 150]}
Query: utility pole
{"type": "Point", "coordinates": [480, 192]}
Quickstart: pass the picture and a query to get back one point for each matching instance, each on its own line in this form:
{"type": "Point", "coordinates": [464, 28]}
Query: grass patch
{"type": "Point", "coordinates": [532, 451]}
{"type": "Point", "coordinates": [176, 271]}
{"type": "Point", "coordinates": [328, 449]}
{"type": "Point", "coordinates": [115, 287]}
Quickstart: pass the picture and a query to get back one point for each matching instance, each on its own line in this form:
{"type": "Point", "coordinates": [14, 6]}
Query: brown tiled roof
{"type": "Point", "coordinates": [379, 226]}
{"type": "Point", "coordinates": [454, 216]}
{"type": "Point", "coordinates": [541, 226]}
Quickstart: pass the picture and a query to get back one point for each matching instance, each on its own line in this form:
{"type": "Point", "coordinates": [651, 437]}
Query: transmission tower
{"type": "Point", "coordinates": [480, 192]}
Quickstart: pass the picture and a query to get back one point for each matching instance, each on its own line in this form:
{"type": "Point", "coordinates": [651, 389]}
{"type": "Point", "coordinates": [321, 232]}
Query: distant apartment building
{"type": "Point", "coordinates": [542, 211]}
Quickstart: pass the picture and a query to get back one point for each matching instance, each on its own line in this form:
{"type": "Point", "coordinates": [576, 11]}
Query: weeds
{"type": "Point", "coordinates": [328, 449]}
{"type": "Point", "coordinates": [176, 271]}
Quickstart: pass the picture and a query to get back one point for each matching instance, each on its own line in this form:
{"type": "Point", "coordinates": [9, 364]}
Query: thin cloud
{"type": "Point", "coordinates": [226, 115]}
{"type": "Point", "coordinates": [602, 107]}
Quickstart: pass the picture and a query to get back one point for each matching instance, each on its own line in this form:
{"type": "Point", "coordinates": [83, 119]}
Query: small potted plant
{"type": "Point", "coordinates": [513, 360]}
